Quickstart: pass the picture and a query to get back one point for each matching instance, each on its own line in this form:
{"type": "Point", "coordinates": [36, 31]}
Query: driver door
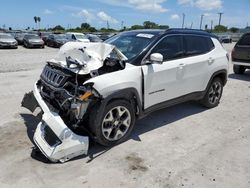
{"type": "Point", "coordinates": [162, 82]}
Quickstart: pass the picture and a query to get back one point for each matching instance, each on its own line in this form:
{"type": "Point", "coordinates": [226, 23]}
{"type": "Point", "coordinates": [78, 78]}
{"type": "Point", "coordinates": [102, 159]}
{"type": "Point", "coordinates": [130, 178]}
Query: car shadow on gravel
{"type": "Point", "coordinates": [244, 77]}
{"type": "Point", "coordinates": [153, 121]}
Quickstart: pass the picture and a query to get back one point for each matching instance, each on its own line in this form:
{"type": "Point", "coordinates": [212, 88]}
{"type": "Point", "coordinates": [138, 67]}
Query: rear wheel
{"type": "Point", "coordinates": [114, 125]}
{"type": "Point", "coordinates": [214, 93]}
{"type": "Point", "coordinates": [239, 69]}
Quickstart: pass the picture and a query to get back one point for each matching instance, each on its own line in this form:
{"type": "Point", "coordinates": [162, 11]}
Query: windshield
{"type": "Point", "coordinates": [6, 37]}
{"type": "Point", "coordinates": [78, 36]}
{"type": "Point", "coordinates": [131, 45]}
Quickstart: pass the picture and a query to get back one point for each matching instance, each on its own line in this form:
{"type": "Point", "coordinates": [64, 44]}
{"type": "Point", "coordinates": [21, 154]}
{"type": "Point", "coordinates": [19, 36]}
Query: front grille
{"type": "Point", "coordinates": [50, 137]}
{"type": "Point", "coordinates": [53, 76]}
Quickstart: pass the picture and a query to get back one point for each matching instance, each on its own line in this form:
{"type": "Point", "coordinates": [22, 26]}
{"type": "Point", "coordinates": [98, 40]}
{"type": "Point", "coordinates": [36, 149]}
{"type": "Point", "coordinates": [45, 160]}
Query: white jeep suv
{"type": "Point", "coordinates": [102, 88]}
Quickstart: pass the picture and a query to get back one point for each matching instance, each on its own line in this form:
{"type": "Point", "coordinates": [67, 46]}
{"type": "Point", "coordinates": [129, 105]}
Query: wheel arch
{"type": "Point", "coordinates": [222, 74]}
{"type": "Point", "coordinates": [129, 94]}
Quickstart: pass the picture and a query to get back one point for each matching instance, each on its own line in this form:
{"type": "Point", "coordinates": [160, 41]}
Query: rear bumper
{"type": "Point", "coordinates": [71, 144]}
{"type": "Point", "coordinates": [241, 63]}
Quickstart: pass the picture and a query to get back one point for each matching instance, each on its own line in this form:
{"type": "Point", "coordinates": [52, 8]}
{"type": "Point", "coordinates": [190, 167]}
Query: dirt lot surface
{"type": "Point", "coordinates": [181, 146]}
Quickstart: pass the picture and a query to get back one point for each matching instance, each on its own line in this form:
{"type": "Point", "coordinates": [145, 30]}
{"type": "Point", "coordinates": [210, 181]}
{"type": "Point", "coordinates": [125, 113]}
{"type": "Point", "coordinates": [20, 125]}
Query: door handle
{"type": "Point", "coordinates": [210, 60]}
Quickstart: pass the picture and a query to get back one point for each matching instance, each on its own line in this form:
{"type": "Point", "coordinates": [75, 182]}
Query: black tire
{"type": "Point", "coordinates": [213, 94]}
{"type": "Point", "coordinates": [98, 120]}
{"type": "Point", "coordinates": [238, 69]}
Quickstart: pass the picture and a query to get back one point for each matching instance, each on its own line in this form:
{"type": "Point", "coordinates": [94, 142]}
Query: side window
{"type": "Point", "coordinates": [170, 47]}
{"type": "Point", "coordinates": [196, 45]}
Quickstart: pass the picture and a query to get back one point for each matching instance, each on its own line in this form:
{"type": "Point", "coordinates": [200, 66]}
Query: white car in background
{"type": "Point", "coordinates": [79, 37]}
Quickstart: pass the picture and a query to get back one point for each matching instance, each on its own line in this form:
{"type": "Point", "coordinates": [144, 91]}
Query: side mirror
{"type": "Point", "coordinates": [156, 58]}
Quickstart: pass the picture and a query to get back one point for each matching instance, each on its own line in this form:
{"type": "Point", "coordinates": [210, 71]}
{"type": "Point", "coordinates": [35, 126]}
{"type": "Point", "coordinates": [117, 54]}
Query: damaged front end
{"type": "Point", "coordinates": [64, 98]}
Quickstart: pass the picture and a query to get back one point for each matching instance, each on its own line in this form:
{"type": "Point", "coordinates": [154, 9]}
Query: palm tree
{"type": "Point", "coordinates": [35, 19]}
{"type": "Point", "coordinates": [39, 20]}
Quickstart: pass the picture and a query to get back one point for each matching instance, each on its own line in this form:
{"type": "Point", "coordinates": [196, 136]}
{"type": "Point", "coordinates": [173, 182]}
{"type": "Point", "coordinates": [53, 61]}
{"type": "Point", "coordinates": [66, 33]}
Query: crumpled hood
{"type": "Point", "coordinates": [90, 54]}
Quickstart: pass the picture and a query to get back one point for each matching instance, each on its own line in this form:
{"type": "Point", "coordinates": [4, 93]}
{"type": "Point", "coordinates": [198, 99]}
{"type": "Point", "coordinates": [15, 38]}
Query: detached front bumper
{"type": "Point", "coordinates": [52, 136]}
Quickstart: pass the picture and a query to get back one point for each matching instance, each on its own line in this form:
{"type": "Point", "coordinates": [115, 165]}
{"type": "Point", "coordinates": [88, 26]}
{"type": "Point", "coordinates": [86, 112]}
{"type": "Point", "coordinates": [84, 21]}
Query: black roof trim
{"type": "Point", "coordinates": [172, 31]}
{"type": "Point", "coordinates": [190, 31]}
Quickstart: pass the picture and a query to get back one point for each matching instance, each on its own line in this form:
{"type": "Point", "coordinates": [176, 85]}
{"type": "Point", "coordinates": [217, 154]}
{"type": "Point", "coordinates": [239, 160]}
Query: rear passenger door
{"type": "Point", "coordinates": [196, 62]}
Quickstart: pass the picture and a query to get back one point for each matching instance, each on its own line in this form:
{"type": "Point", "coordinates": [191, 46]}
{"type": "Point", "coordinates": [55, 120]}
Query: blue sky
{"type": "Point", "coordinates": [19, 14]}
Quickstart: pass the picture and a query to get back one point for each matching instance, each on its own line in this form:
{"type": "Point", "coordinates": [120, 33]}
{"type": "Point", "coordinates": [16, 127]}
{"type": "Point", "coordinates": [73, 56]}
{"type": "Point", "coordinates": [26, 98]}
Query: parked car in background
{"type": "Point", "coordinates": [7, 41]}
{"type": "Point", "coordinates": [19, 37]}
{"type": "Point", "coordinates": [33, 41]}
{"type": "Point", "coordinates": [105, 36]}
{"type": "Point", "coordinates": [80, 37]}
{"type": "Point", "coordinates": [93, 38]}
{"type": "Point", "coordinates": [56, 41]}
{"type": "Point", "coordinates": [225, 39]}
{"type": "Point", "coordinates": [241, 54]}
{"type": "Point", "coordinates": [44, 36]}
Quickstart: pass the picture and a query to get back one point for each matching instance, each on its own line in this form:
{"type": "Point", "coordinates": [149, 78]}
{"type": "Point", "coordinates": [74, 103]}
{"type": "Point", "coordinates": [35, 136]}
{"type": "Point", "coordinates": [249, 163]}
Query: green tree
{"type": "Point", "coordinates": [35, 19]}
{"type": "Point", "coordinates": [39, 20]}
{"type": "Point", "coordinates": [163, 27]}
{"type": "Point", "coordinates": [234, 29]}
{"type": "Point", "coordinates": [134, 27]}
{"type": "Point", "coordinates": [58, 27]}
{"type": "Point", "coordinates": [85, 26]}
{"type": "Point", "coordinates": [220, 28]}
{"type": "Point", "coordinates": [150, 25]}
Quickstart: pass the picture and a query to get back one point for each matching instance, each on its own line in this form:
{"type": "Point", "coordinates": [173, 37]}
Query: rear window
{"type": "Point", "coordinates": [245, 40]}
{"type": "Point", "coordinates": [196, 45]}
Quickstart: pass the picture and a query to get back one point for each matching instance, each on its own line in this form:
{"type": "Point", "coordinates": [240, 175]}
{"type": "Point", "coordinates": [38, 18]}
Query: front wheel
{"type": "Point", "coordinates": [114, 125]}
{"type": "Point", "coordinates": [214, 93]}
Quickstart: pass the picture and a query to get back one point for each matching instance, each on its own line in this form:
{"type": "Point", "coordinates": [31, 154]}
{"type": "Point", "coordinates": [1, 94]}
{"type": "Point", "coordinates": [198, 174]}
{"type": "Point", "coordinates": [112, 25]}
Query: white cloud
{"type": "Point", "coordinates": [105, 17]}
{"type": "Point", "coordinates": [208, 5]}
{"type": "Point", "coordinates": [47, 11]}
{"type": "Point", "coordinates": [85, 14]}
{"type": "Point", "coordinates": [174, 17]}
{"type": "Point", "coordinates": [143, 5]}
{"type": "Point", "coordinates": [203, 4]}
{"type": "Point", "coordinates": [181, 2]}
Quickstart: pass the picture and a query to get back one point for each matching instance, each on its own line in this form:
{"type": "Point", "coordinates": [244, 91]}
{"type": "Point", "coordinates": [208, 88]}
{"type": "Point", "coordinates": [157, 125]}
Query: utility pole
{"type": "Point", "coordinates": [201, 20]}
{"type": "Point", "coordinates": [107, 24]}
{"type": "Point", "coordinates": [220, 14]}
{"type": "Point", "coordinates": [212, 22]}
{"type": "Point", "coordinates": [191, 26]}
{"type": "Point", "coordinates": [122, 24]}
{"type": "Point", "coordinates": [183, 20]}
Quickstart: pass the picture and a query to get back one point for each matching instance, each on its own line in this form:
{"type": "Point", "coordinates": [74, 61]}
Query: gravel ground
{"type": "Point", "coordinates": [181, 146]}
